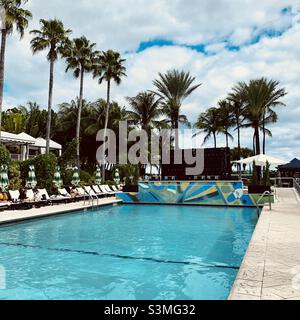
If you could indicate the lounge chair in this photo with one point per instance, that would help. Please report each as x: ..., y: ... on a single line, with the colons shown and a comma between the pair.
x: 90, y: 191
x: 115, y: 189
x: 108, y: 189
x: 43, y: 194
x: 105, y: 191
x: 98, y: 191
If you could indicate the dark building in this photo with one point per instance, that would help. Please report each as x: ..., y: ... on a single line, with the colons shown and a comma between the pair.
x: 290, y: 170
x: 217, y: 166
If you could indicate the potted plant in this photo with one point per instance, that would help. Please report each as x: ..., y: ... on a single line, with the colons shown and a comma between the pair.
x: 258, y: 185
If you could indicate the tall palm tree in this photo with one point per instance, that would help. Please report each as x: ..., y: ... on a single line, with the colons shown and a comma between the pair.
x: 18, y: 18
x: 273, y: 96
x: 174, y: 87
x: 145, y: 110
x: 109, y: 67
x: 259, y: 97
x: 80, y: 56
x: 209, y: 123
x: 226, y: 119
x: 52, y: 36
x: 237, y: 106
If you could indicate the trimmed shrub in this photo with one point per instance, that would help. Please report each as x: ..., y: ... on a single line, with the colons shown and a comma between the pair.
x: 14, y: 174
x: 45, y: 166
x: 86, y: 179
x: 4, y: 154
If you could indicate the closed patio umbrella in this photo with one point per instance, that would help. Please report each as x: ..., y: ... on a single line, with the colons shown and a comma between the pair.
x: 98, y: 175
x: 117, y: 177
x: 4, y: 182
x: 57, y: 178
x: 75, y: 179
x: 31, y: 181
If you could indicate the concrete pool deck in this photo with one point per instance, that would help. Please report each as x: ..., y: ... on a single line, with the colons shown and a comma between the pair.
x: 20, y: 215
x: 271, y: 267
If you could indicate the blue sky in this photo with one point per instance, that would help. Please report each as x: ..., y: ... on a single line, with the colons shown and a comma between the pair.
x: 220, y: 42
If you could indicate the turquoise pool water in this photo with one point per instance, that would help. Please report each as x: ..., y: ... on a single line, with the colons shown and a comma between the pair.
x: 127, y: 252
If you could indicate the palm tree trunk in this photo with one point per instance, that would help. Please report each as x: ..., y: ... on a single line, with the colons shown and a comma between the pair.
x: 227, y: 142
x: 50, y: 106
x: 215, y: 140
x: 2, y: 65
x: 257, y: 145
x: 264, y: 136
x: 79, y: 118
x: 257, y: 140
x: 176, y: 132
x: 105, y: 128
x: 239, y: 144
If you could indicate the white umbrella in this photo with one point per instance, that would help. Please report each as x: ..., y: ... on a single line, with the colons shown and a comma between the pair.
x: 261, y: 160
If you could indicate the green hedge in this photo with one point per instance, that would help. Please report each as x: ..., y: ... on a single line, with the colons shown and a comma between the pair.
x: 45, y: 166
x: 4, y: 154
x: 14, y: 174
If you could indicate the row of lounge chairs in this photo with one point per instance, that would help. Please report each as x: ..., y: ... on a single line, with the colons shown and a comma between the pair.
x: 41, y: 197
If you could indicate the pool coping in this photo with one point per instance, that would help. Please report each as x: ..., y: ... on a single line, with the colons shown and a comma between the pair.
x: 271, y: 266
x: 27, y: 215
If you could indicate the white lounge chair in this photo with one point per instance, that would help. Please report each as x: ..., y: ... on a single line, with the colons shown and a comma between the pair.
x: 98, y: 191
x: 14, y: 195
x: 109, y: 193
x: 108, y: 189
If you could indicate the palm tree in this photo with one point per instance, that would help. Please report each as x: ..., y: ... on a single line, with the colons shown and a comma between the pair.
x: 273, y: 96
x: 54, y: 37
x: 226, y: 119
x: 145, y: 110
x: 96, y: 116
x: 15, y: 17
x: 259, y: 96
x: 174, y: 87
x: 109, y: 66
x: 80, y: 55
x: 209, y: 123
x: 237, y: 107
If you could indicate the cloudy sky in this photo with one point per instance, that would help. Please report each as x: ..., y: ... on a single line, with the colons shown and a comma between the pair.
x: 220, y: 42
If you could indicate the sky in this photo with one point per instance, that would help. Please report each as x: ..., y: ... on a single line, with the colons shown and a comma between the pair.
x: 220, y: 42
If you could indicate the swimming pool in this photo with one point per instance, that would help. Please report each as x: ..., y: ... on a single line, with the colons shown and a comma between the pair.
x: 127, y: 252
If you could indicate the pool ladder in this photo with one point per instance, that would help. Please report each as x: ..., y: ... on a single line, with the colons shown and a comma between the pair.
x: 258, y: 205
x: 91, y: 199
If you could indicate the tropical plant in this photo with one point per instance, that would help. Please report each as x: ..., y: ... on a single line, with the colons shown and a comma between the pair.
x: 226, y: 119
x: 237, y: 107
x: 109, y: 67
x: 209, y: 123
x: 259, y: 96
x: 52, y: 36
x: 15, y: 18
x: 173, y: 88
x: 14, y: 121
x: 145, y: 110
x: 4, y: 154
x: 80, y: 55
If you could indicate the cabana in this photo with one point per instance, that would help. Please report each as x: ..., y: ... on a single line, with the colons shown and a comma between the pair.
x: 290, y: 170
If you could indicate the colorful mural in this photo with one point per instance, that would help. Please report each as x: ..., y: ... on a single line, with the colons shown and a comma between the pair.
x: 217, y: 193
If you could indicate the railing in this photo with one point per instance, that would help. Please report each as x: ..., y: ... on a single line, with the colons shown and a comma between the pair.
x: 287, y: 183
x: 266, y: 193
x: 297, y: 186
